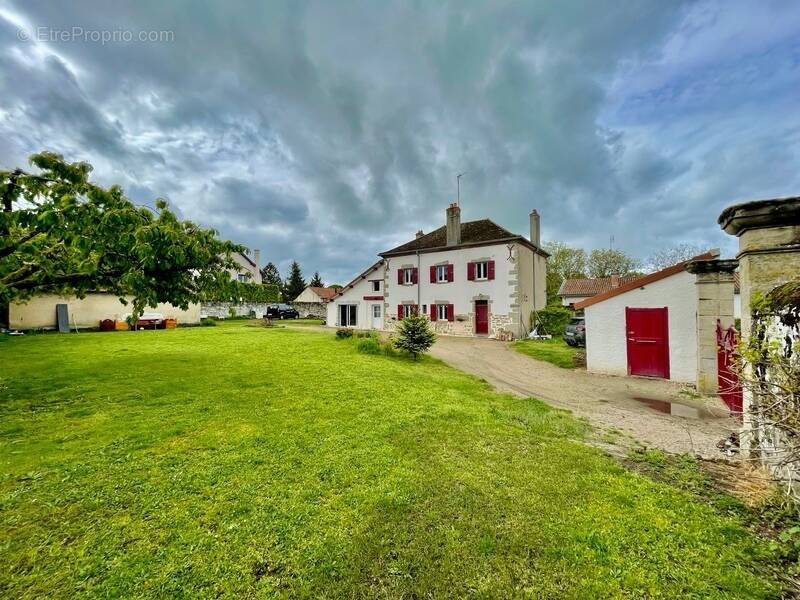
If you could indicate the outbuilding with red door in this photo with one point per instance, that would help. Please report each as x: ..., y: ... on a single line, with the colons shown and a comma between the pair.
x: 660, y: 325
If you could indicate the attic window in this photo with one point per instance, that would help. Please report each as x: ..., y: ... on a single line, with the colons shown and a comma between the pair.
x: 376, y: 285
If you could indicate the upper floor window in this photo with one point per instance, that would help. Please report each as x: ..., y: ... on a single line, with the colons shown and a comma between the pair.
x: 408, y: 276
x: 441, y: 273
x: 482, y: 270
x: 376, y: 285
x: 242, y: 278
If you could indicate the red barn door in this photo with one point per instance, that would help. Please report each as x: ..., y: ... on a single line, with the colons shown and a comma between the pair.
x: 648, y: 341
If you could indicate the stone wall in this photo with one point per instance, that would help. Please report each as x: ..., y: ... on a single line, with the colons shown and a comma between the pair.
x: 314, y: 310
x: 222, y: 310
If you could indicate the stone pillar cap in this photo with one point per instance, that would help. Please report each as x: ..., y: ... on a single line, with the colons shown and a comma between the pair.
x: 713, y: 265
x: 760, y: 214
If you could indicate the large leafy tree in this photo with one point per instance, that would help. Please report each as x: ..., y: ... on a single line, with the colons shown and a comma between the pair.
x: 565, y: 262
x: 316, y: 280
x: 295, y: 283
x: 62, y: 234
x: 605, y: 262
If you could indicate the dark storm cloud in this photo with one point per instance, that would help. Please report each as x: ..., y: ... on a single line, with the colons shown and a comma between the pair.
x: 329, y: 131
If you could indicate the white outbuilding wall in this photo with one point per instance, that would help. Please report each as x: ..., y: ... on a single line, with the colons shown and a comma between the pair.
x: 606, y: 334
x: 356, y: 295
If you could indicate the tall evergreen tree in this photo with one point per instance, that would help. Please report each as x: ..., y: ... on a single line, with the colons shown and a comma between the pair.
x: 270, y: 274
x: 295, y: 283
x: 316, y: 281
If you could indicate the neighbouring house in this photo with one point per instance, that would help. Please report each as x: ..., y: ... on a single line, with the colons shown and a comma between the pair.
x: 573, y: 291
x: 662, y: 324
x: 473, y: 278
x: 247, y: 270
x: 312, y: 300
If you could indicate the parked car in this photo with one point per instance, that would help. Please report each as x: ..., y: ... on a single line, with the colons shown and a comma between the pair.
x: 575, y: 332
x: 282, y: 311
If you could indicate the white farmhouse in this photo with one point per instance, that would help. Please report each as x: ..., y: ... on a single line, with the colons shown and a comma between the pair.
x: 473, y: 278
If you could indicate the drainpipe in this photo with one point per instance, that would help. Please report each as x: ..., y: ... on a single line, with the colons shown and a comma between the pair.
x: 535, y: 257
x: 419, y: 285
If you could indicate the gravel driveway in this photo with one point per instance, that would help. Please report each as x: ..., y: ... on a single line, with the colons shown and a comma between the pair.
x: 633, y: 405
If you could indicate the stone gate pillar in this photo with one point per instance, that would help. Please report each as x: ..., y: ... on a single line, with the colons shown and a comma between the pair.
x: 769, y: 255
x: 714, y: 282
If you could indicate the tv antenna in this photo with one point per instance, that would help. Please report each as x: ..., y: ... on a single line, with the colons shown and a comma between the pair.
x: 458, y: 187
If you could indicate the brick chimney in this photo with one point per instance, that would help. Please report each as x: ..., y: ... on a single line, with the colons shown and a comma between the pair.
x: 536, y: 237
x: 419, y: 234
x: 453, y: 225
x: 614, y: 281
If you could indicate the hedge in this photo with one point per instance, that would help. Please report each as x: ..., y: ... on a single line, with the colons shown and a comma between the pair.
x: 554, y: 318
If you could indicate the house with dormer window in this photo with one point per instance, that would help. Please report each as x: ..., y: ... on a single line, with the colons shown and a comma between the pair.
x: 470, y: 279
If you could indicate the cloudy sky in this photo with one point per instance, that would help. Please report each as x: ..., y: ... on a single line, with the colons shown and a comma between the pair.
x: 329, y: 131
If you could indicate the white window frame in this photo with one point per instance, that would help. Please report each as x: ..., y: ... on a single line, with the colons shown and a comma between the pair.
x: 441, y: 273
x: 482, y: 270
x: 408, y: 310
x: 241, y: 278
x: 376, y: 311
x: 354, y: 314
x: 376, y: 285
x: 408, y: 276
x: 441, y: 312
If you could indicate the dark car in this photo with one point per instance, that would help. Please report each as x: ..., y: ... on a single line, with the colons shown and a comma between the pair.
x: 575, y: 333
x: 282, y: 311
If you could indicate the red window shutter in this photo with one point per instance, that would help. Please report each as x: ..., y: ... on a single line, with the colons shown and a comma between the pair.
x: 400, y: 276
x: 400, y: 312
x: 414, y: 275
x: 450, y: 272
x: 433, y: 312
x: 471, y: 271
x: 433, y: 274
x: 490, y: 270
x: 450, y: 312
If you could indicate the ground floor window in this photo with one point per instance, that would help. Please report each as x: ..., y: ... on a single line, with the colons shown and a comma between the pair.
x: 376, y: 311
x: 441, y: 312
x: 409, y: 310
x: 347, y: 315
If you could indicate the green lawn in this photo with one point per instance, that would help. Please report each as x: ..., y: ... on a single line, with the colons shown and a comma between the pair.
x: 245, y: 461
x: 555, y: 351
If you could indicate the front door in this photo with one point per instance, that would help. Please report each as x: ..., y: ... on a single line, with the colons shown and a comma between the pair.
x: 648, y: 341
x: 481, y: 317
x: 377, y: 316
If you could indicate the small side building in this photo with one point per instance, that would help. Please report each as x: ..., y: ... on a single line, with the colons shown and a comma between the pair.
x: 312, y: 300
x: 40, y: 311
x: 662, y: 324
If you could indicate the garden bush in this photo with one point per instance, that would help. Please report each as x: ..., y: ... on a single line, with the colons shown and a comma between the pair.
x: 414, y: 335
x: 368, y: 345
x: 208, y: 322
x: 343, y: 333
x: 553, y: 318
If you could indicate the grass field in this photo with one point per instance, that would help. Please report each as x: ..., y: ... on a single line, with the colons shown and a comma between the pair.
x: 244, y: 461
x: 555, y: 351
